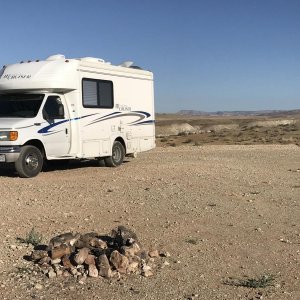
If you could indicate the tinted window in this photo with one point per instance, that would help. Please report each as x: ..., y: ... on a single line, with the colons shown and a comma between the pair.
x: 105, y: 92
x: 97, y: 93
x: 89, y: 90
x: 53, y: 108
x: 20, y: 105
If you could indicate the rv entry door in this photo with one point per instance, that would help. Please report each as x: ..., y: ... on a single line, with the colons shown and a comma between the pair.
x: 56, y: 135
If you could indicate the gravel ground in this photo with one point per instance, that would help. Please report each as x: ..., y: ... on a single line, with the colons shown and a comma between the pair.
x: 224, y: 213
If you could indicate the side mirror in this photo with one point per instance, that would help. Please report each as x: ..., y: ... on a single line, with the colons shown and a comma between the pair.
x: 45, y: 115
x: 61, y: 112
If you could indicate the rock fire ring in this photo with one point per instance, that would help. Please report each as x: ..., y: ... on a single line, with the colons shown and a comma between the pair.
x: 94, y: 255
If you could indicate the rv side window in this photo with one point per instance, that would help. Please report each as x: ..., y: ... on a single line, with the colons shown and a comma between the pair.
x: 97, y: 93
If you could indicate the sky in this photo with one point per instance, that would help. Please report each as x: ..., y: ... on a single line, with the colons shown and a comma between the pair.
x: 207, y: 55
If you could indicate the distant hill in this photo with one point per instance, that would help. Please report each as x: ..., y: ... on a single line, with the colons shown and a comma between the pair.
x: 239, y: 113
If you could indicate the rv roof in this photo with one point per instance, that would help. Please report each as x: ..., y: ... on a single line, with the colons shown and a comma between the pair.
x: 61, y: 74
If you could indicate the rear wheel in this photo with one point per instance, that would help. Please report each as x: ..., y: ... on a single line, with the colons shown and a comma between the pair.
x: 118, y: 153
x: 30, y: 162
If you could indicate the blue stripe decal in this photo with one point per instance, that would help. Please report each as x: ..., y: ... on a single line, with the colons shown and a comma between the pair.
x: 114, y: 113
x: 47, y: 129
x: 144, y: 123
x: 141, y: 115
x: 144, y: 113
x: 106, y: 117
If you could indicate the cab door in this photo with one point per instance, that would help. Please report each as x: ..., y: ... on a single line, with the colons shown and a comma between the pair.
x: 56, y: 132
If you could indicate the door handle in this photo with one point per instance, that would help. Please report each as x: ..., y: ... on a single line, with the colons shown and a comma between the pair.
x: 66, y: 130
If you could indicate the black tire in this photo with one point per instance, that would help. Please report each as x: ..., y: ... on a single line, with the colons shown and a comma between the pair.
x: 100, y: 162
x: 118, y: 153
x: 30, y: 162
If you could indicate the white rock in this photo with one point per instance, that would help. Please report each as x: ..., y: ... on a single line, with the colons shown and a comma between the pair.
x: 51, y: 274
x: 55, y: 261
x: 93, y: 272
x: 38, y: 286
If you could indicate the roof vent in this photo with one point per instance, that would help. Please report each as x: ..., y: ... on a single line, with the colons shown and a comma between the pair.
x: 127, y: 64
x: 56, y: 57
x: 92, y: 59
x: 136, y: 67
x: 2, y: 70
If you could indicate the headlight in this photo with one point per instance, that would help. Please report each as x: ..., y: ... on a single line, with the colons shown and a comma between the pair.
x: 8, y: 135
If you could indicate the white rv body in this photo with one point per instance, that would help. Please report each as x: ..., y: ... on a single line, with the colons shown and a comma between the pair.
x: 92, y: 105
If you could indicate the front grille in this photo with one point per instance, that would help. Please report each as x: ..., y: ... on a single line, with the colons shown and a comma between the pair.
x: 9, y: 149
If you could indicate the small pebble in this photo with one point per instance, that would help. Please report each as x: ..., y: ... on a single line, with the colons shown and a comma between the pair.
x: 38, y: 286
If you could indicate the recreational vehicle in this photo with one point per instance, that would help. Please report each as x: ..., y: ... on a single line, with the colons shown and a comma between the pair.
x: 85, y: 108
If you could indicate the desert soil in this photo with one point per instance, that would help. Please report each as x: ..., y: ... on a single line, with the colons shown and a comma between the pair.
x: 174, y: 130
x: 223, y: 212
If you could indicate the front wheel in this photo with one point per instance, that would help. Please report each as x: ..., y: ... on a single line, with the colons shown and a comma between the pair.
x: 30, y: 162
x: 118, y: 153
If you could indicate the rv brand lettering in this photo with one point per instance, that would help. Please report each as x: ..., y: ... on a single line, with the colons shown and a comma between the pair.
x: 16, y: 76
x: 123, y: 107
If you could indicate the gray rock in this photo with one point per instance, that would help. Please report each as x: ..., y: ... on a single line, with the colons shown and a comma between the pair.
x: 73, y: 271
x: 45, y: 261
x: 93, y: 272
x: 119, y: 261
x: 104, y: 266
x: 133, y: 267
x: 153, y: 253
x: 90, y: 260
x: 123, y: 236
x: 98, y: 243
x: 60, y: 251
x: 66, y: 262
x: 81, y: 255
x: 66, y: 238
x: 38, y: 255
x: 85, y: 239
x: 146, y: 271
x: 128, y: 251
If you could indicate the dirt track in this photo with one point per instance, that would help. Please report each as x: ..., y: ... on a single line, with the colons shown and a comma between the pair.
x: 221, y: 211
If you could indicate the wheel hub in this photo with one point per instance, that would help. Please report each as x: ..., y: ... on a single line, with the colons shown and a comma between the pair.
x: 32, y: 162
x: 117, y: 154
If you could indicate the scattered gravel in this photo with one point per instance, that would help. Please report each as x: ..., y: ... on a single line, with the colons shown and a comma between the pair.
x: 216, y: 212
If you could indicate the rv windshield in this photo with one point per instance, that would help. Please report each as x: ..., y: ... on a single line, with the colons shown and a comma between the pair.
x: 20, y: 105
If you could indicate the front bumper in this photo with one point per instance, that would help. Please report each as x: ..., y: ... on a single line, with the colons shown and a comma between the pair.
x: 9, y: 153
